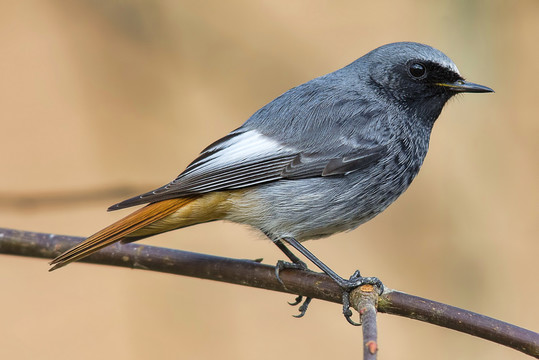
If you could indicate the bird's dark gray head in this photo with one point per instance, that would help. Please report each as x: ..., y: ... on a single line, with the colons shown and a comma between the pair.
x: 414, y: 76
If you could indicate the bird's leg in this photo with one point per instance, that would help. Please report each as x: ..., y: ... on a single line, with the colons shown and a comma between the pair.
x: 355, y: 280
x: 295, y: 264
x: 347, y: 285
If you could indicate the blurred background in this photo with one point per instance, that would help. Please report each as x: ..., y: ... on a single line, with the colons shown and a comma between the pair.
x: 102, y: 100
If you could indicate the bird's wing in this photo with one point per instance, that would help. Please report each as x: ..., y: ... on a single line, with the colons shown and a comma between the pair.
x: 246, y: 158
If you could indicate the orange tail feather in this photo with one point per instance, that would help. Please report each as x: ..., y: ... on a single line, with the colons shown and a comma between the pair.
x: 122, y: 228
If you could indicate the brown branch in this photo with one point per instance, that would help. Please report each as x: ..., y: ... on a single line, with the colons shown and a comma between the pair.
x: 252, y: 273
x: 364, y: 300
x: 414, y: 307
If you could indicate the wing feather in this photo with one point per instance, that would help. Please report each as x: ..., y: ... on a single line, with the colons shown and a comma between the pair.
x: 247, y: 158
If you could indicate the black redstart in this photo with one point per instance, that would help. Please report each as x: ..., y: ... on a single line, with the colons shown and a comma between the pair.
x: 324, y: 157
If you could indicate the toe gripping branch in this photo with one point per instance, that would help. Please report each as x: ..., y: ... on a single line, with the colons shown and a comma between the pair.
x: 356, y: 280
x: 299, y: 265
x: 353, y: 282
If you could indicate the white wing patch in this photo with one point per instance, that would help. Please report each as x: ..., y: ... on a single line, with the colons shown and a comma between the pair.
x: 250, y: 146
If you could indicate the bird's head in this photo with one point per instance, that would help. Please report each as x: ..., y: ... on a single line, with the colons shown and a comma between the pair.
x: 416, y: 77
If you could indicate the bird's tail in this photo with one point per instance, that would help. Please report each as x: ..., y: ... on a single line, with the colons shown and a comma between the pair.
x: 152, y: 219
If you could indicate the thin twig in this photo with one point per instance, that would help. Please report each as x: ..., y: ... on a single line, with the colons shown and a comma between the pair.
x: 251, y: 273
x: 364, y: 300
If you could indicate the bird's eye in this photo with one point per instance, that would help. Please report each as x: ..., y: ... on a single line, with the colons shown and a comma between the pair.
x: 417, y: 70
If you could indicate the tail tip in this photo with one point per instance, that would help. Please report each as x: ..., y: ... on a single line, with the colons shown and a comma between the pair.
x: 56, y: 264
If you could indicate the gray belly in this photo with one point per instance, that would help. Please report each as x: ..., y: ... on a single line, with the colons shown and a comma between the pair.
x: 318, y: 207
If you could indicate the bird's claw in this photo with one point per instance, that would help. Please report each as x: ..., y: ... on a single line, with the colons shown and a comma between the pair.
x: 303, y: 308
x: 346, y: 308
x: 357, y: 280
x: 281, y: 265
x: 297, y: 301
x: 353, y: 282
x: 348, y: 285
x: 299, y: 265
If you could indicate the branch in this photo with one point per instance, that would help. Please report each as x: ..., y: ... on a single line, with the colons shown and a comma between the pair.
x: 252, y: 273
x: 366, y: 298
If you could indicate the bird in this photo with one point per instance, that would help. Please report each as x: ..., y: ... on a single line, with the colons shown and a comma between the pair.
x: 322, y: 158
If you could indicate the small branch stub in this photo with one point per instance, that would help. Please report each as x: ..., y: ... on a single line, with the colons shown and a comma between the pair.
x: 364, y: 299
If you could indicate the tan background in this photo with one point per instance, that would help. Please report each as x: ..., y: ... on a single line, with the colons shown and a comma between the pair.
x: 99, y: 94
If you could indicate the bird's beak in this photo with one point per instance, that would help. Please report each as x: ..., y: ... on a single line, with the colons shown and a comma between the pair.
x: 465, y: 86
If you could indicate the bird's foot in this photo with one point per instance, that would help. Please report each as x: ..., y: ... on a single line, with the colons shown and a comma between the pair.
x: 303, y: 307
x: 299, y: 265
x: 348, y: 285
x: 281, y: 265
